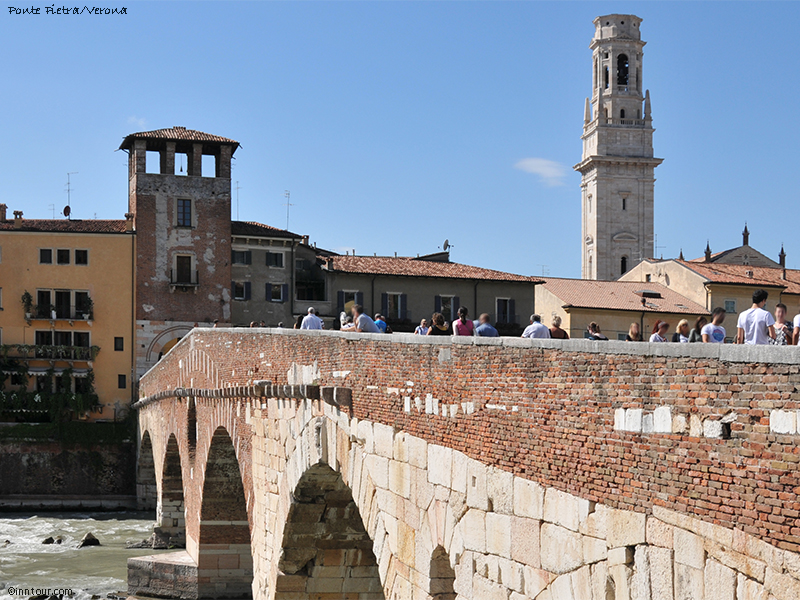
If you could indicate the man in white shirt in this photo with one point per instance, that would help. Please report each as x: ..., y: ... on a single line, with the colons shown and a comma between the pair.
x: 796, y: 334
x: 311, y: 320
x: 756, y: 326
x: 536, y: 329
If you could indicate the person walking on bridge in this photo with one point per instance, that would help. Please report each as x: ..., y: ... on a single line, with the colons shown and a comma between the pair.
x: 756, y: 326
x: 311, y: 320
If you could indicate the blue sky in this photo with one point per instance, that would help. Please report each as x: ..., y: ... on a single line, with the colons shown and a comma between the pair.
x: 396, y: 125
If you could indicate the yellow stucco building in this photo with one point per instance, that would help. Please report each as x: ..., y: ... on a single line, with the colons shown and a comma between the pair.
x: 613, y: 305
x: 66, y: 318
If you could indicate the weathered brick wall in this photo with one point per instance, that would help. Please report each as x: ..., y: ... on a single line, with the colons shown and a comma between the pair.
x: 548, y: 413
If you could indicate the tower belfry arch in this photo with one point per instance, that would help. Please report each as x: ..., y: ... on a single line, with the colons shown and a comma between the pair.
x: 617, y: 167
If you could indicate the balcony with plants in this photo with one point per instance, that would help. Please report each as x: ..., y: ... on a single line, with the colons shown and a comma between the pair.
x: 58, y: 395
x: 81, y: 310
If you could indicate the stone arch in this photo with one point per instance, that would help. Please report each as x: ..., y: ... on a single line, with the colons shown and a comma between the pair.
x: 146, y: 486
x: 326, y: 547
x: 171, y: 515
x: 154, y: 350
x: 224, y: 559
x: 442, y: 576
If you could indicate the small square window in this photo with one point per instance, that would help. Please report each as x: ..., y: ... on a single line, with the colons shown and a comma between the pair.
x: 730, y: 306
x: 241, y: 257
x: 45, y: 256
x: 275, y: 259
x: 122, y: 382
x: 62, y: 256
x: 81, y: 257
x: 276, y: 293
x: 119, y: 344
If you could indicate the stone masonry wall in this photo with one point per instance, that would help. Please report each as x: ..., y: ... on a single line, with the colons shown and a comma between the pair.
x: 574, y: 486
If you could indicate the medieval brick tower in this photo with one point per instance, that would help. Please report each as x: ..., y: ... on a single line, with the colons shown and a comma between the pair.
x: 618, y: 166
x: 181, y: 212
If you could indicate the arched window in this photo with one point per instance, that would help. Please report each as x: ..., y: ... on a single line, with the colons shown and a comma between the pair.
x: 622, y: 113
x: 622, y: 69
x: 590, y: 202
x: 623, y: 265
x: 605, y: 77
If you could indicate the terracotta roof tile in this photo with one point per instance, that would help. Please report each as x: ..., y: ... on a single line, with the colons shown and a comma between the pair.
x: 177, y: 134
x: 67, y: 225
x: 254, y: 229
x: 620, y: 295
x: 740, y: 274
x: 416, y: 267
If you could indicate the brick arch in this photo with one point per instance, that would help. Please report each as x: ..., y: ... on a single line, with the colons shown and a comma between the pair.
x: 326, y: 547
x: 171, y: 509
x: 146, y: 482
x: 223, y: 540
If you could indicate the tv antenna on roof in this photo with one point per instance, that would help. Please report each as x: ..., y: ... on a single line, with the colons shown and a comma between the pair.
x: 67, y: 209
x: 286, y: 195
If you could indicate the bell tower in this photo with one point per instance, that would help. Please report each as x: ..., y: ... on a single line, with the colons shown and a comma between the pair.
x: 617, y: 168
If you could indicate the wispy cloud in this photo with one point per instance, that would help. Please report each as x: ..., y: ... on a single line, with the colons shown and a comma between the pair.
x: 139, y: 122
x: 550, y: 172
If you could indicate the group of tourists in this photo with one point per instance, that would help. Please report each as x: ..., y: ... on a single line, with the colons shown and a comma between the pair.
x: 755, y: 326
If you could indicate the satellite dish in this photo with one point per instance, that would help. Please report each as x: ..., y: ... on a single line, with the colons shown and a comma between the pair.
x: 446, y: 245
x: 67, y: 211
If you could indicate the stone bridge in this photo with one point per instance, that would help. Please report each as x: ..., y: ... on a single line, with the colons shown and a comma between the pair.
x: 322, y: 465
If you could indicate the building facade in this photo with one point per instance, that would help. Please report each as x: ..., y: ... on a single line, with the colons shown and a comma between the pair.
x: 66, y: 318
x: 182, y: 220
x: 617, y: 168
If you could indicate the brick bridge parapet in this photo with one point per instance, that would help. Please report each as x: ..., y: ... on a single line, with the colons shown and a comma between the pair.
x: 300, y: 464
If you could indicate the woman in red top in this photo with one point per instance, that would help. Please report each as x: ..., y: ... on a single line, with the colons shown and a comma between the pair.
x: 463, y: 325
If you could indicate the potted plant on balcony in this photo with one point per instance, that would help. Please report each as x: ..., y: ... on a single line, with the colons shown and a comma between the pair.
x: 27, y: 304
x: 88, y: 309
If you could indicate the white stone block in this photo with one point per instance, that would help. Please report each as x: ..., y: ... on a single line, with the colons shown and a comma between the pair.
x: 620, y: 556
x: 600, y: 582
x: 688, y: 548
x: 383, y: 439
x: 536, y: 580
x: 528, y: 498
x: 477, y: 486
x: 459, y: 477
x: 661, y: 568
x: 679, y: 424
x: 712, y: 429
x: 417, y: 451
x: 633, y: 419
x: 619, y: 419
x: 647, y: 423
x: 564, y: 509
x: 474, y: 530
x: 626, y: 528
x: 400, y: 478
x: 621, y: 574
x: 498, y: 535
x: 688, y: 582
x: 783, y: 421
x: 594, y: 550
x: 561, y: 588
x: 719, y: 581
x: 640, y: 582
x: 582, y: 583
x: 500, y: 487
x: 662, y: 420
x: 561, y: 549
x: 378, y: 468
x: 525, y: 541
x: 695, y: 426
x: 747, y: 589
x: 440, y: 465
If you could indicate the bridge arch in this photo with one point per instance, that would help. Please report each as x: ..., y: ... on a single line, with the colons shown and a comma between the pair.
x: 146, y: 486
x: 224, y: 558
x: 325, y: 548
x: 171, y: 516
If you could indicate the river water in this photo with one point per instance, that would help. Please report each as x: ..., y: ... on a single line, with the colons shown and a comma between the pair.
x: 94, y: 570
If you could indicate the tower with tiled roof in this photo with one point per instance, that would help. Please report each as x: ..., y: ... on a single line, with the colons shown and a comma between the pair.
x: 179, y: 196
x: 617, y: 169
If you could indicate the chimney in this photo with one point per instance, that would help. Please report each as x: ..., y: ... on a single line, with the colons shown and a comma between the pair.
x: 680, y: 257
x: 708, y: 252
x: 745, y: 236
x: 304, y: 240
x: 3, y: 212
x: 781, y: 256
x: 17, y: 219
x: 128, y: 222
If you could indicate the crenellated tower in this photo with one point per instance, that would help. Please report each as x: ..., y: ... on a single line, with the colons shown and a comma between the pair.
x: 617, y: 169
